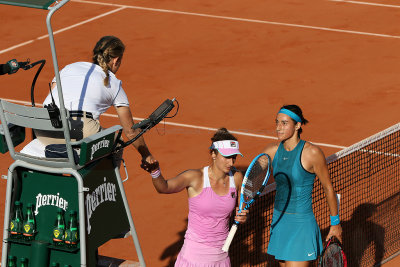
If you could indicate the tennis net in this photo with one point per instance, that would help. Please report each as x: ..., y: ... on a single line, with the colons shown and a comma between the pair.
x: 367, y: 177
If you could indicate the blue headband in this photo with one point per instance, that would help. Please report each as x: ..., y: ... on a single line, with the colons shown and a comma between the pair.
x: 291, y: 114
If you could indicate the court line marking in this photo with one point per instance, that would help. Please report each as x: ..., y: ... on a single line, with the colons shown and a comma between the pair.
x: 380, y: 153
x: 62, y: 30
x: 121, y: 7
x: 365, y: 3
x: 84, y: 22
x: 189, y: 126
x: 16, y: 46
x: 243, y: 19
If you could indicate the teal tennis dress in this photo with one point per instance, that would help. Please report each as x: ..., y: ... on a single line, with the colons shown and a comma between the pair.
x: 294, y: 234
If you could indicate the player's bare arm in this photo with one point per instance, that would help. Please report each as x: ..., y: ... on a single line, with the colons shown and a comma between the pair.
x: 271, y: 149
x: 190, y: 179
x: 238, y: 178
x: 125, y: 117
x: 313, y: 160
x: 242, y: 216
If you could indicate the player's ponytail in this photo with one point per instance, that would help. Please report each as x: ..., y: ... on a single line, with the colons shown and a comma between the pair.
x: 107, y: 48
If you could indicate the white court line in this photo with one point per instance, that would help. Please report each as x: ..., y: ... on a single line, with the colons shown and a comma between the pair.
x: 16, y: 46
x: 83, y: 22
x: 380, y: 153
x: 243, y: 19
x: 61, y: 30
x: 200, y: 15
x: 365, y: 3
x: 189, y: 126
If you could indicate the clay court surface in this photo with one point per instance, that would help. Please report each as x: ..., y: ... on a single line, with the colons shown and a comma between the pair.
x: 229, y: 63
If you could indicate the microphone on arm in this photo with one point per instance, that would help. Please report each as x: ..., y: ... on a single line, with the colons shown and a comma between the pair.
x: 12, y: 66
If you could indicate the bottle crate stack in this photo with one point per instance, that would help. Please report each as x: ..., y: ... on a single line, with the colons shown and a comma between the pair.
x: 43, y: 228
x: 22, y: 228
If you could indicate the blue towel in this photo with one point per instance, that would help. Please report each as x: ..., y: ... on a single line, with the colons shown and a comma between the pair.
x: 59, y: 151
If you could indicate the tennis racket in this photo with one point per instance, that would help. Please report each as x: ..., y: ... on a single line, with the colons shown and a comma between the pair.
x: 254, y: 181
x: 333, y: 254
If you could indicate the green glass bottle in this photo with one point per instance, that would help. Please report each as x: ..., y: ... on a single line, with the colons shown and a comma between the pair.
x: 24, y: 262
x: 12, y: 261
x: 59, y: 228
x: 17, y: 221
x: 29, y: 227
x: 71, y: 234
x: 55, y: 264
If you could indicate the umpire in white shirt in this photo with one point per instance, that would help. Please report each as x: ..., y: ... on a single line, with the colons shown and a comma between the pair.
x: 89, y: 89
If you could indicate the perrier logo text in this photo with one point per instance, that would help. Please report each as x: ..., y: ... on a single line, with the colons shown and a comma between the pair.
x: 98, y: 145
x: 106, y: 192
x: 50, y: 200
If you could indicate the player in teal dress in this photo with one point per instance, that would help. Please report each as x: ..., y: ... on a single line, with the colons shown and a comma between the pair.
x: 295, y: 236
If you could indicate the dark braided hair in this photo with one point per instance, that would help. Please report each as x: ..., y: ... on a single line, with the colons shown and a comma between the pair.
x: 107, y: 48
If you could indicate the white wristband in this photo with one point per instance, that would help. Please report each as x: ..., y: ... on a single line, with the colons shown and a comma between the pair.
x: 155, y: 174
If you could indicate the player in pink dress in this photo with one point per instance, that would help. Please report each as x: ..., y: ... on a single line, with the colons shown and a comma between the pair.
x: 212, y: 193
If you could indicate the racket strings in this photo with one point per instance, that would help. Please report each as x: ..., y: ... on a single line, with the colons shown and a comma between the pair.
x: 333, y: 257
x: 256, y: 177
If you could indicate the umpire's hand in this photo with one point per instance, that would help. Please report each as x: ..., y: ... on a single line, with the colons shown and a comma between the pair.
x: 149, y: 164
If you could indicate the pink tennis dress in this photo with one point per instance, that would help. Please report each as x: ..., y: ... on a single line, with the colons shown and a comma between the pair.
x: 207, y: 227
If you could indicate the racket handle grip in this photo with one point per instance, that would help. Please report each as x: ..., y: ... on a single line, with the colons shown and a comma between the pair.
x: 229, y: 239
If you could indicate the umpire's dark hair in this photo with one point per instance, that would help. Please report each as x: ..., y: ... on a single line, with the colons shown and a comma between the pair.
x: 297, y: 110
x: 220, y: 135
x: 107, y: 48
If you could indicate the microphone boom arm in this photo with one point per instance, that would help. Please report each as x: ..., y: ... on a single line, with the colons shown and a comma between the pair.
x: 158, y: 115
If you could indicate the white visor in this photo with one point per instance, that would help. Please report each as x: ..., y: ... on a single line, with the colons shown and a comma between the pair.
x: 227, y: 147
